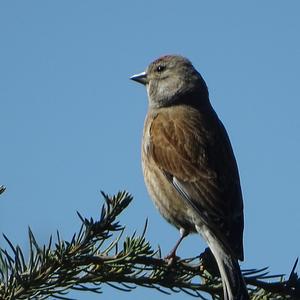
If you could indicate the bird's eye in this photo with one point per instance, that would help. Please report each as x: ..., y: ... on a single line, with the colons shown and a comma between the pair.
x: 160, y: 68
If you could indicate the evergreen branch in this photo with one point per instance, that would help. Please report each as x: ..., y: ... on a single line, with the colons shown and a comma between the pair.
x: 98, y: 254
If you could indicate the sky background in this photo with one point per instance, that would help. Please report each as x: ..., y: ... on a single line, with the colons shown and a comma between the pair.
x: 71, y: 120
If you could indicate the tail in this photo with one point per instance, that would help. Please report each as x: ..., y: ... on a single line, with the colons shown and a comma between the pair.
x: 234, y: 286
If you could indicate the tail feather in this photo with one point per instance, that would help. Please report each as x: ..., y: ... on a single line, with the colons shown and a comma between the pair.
x: 232, y: 279
x: 234, y: 286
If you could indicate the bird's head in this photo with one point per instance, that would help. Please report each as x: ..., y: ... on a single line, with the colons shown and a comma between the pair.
x: 170, y: 80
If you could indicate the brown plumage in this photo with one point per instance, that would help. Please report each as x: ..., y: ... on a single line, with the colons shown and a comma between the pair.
x: 189, y: 166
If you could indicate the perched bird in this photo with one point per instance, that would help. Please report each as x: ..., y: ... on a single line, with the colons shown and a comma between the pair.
x: 189, y: 167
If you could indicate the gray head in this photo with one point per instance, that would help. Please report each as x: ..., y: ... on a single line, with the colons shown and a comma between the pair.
x: 172, y: 79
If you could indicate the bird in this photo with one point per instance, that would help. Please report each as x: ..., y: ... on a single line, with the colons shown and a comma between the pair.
x: 189, y: 166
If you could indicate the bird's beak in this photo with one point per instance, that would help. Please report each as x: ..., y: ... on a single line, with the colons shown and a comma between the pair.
x: 141, y: 78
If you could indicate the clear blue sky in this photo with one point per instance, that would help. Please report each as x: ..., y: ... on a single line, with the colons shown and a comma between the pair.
x: 71, y: 120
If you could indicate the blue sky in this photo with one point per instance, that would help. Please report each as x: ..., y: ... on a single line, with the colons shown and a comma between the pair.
x: 71, y: 120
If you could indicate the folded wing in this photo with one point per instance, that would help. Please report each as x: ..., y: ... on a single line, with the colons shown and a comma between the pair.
x: 194, y: 152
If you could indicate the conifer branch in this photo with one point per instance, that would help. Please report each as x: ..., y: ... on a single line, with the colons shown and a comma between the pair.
x: 99, y: 254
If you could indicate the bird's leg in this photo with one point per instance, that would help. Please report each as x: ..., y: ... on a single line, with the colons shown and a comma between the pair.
x: 172, y: 255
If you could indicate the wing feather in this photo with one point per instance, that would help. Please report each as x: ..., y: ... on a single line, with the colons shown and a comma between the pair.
x: 193, y: 151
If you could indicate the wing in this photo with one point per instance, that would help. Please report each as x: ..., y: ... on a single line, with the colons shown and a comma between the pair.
x: 193, y: 151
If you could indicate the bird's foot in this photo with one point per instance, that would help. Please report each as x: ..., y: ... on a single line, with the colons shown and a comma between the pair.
x: 171, y: 258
